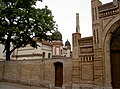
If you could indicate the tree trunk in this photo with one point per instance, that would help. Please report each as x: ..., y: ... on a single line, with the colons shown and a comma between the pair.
x: 7, y: 50
x: 7, y: 47
x: 7, y: 55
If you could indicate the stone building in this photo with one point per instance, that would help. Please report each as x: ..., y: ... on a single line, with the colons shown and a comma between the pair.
x: 49, y: 66
x: 95, y: 59
x: 2, y: 55
x: 45, y: 50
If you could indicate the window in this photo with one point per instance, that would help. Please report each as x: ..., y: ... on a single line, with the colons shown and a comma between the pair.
x: 43, y: 54
x: 86, y: 58
x: 57, y: 51
x: 61, y: 51
x: 94, y: 36
x: 92, y: 58
x: 97, y: 37
x: 93, y: 13
x: 96, y: 13
x: 48, y: 55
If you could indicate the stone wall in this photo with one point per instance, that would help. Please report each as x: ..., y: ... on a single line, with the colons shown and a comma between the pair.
x: 35, y: 72
x: 83, y: 73
x: 1, y: 69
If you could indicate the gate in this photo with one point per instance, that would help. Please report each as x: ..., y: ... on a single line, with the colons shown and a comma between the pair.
x: 115, y: 59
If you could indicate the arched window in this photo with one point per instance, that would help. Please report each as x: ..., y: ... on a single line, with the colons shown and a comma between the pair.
x: 43, y: 54
x: 94, y: 33
x: 93, y: 13
x: 64, y: 55
x: 96, y: 13
x: 61, y: 51
x: 48, y: 55
x: 97, y: 36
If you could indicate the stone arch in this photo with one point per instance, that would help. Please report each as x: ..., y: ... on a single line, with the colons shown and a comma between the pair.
x: 115, y: 61
x: 58, y: 74
x: 106, y: 39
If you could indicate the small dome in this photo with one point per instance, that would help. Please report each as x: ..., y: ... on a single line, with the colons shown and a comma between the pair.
x: 57, y: 36
x: 67, y: 43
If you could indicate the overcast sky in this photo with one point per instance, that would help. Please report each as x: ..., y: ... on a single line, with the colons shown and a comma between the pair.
x: 64, y: 12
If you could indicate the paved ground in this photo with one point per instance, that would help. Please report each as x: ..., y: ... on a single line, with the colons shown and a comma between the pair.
x: 4, y: 85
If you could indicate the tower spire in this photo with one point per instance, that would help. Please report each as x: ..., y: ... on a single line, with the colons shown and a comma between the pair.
x: 77, y: 23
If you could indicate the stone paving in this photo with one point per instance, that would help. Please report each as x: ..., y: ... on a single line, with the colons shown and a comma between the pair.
x: 4, y: 85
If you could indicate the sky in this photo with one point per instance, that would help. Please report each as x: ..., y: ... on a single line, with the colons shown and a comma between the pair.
x: 64, y: 12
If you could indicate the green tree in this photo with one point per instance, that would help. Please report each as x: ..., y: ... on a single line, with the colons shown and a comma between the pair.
x: 21, y: 22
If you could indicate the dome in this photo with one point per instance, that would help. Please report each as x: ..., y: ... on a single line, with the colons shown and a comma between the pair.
x: 57, y: 36
x: 67, y: 43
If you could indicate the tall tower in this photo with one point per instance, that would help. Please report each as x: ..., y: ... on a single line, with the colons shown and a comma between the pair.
x: 77, y: 23
x: 75, y: 37
x: 75, y: 52
x: 96, y: 28
x: 96, y: 22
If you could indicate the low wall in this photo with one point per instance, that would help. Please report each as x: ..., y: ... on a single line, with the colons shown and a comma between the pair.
x: 1, y: 69
x: 35, y: 72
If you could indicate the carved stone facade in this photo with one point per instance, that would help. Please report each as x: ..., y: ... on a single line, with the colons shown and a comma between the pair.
x: 45, y: 50
x: 92, y: 56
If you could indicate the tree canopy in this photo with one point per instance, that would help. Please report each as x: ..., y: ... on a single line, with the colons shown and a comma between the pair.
x: 21, y: 22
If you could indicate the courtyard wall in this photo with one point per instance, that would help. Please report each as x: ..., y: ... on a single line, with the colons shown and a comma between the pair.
x: 35, y: 72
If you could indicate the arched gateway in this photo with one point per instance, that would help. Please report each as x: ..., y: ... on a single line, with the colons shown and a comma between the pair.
x: 115, y: 59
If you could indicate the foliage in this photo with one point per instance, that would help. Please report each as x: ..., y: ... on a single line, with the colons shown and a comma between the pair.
x: 21, y: 22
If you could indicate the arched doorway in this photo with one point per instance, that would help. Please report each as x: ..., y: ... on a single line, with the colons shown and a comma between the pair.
x: 58, y: 74
x: 115, y: 59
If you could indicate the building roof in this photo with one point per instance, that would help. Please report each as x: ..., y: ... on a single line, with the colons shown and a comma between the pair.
x: 67, y: 43
x: 107, y: 6
x: 57, y: 36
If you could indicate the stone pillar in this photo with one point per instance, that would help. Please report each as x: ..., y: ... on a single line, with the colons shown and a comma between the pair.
x: 77, y: 23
